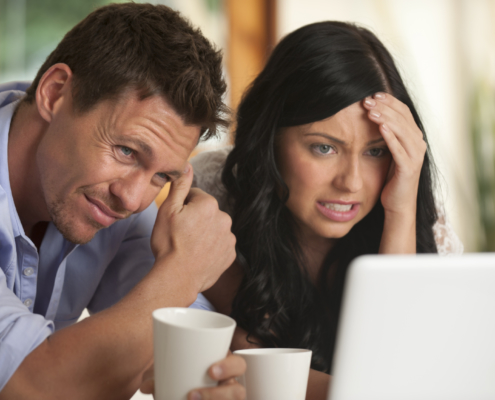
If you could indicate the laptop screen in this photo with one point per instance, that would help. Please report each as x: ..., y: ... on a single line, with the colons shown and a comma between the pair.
x: 417, y: 327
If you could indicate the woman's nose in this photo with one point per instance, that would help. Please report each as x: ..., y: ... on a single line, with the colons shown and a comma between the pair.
x: 349, y: 177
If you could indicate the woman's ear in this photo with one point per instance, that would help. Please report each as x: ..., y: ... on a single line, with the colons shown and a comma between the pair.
x: 53, y: 88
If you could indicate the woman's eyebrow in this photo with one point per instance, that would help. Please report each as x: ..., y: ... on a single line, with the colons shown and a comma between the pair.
x: 371, y: 142
x: 326, y: 137
x: 375, y: 141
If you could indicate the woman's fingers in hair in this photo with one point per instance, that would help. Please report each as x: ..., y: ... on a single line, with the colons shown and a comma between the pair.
x: 395, y: 147
x: 398, y: 114
x: 392, y: 115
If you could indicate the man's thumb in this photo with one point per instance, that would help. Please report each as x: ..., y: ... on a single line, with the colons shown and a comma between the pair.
x: 179, y: 189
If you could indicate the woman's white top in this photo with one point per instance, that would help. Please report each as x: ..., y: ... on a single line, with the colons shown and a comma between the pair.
x: 208, y: 168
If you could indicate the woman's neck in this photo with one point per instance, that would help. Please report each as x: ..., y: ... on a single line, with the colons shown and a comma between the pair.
x: 314, y: 249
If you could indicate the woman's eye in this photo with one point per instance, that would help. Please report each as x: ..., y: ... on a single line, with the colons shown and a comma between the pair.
x: 126, y: 151
x: 376, y: 152
x: 323, y: 148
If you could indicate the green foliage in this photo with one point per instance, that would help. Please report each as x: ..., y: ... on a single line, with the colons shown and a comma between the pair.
x: 45, y: 22
x: 483, y: 140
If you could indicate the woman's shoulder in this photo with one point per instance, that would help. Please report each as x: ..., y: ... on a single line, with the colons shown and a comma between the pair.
x: 446, y: 239
x: 208, y: 167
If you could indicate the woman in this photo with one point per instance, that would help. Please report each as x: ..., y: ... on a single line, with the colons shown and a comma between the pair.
x: 330, y: 162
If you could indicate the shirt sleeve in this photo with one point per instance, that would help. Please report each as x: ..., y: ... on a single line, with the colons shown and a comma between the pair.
x: 131, y: 263
x: 20, y: 331
x: 202, y: 303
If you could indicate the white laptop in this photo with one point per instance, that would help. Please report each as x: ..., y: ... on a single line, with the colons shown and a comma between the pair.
x: 418, y: 327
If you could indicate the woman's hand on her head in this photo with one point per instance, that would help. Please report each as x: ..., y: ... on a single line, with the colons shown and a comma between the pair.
x: 224, y: 371
x: 405, y: 142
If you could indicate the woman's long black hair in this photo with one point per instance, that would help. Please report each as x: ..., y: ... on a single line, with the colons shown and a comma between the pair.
x: 312, y: 74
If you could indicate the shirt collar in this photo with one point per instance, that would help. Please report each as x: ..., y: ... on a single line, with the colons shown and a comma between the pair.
x: 8, y: 103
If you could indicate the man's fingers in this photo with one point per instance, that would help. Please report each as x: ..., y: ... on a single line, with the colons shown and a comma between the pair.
x: 179, y: 190
x: 148, y: 381
x: 230, y: 392
x: 230, y: 367
x: 147, y: 386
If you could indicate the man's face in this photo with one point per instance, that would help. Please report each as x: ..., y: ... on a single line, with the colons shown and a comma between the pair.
x: 110, y: 162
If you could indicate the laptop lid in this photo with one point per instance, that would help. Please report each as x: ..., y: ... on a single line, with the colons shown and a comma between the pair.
x: 417, y: 327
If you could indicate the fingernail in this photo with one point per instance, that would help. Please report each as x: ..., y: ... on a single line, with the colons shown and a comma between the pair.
x: 370, y: 102
x: 379, y: 96
x: 186, y: 170
x: 385, y: 128
x: 375, y: 114
x: 196, y: 396
x: 217, y: 371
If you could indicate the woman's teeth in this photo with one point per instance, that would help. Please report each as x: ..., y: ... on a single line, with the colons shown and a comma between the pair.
x: 338, y: 207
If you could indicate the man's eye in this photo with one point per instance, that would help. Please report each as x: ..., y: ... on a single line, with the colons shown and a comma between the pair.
x: 163, y: 176
x: 126, y: 151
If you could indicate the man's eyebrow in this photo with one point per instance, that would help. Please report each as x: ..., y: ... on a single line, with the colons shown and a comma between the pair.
x: 144, y: 147
x: 371, y: 142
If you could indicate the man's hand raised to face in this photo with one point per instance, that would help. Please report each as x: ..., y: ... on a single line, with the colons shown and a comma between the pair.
x: 191, y: 230
x: 105, y: 355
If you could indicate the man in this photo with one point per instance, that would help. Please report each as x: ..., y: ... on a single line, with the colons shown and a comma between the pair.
x: 111, y: 117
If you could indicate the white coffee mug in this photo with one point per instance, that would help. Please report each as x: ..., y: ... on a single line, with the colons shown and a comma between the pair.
x: 275, y: 374
x: 186, y: 343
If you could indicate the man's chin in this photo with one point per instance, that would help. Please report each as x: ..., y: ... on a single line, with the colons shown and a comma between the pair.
x: 72, y: 224
x: 78, y: 235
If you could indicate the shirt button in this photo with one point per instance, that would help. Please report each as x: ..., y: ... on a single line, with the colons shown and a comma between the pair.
x: 28, y: 302
x: 28, y: 271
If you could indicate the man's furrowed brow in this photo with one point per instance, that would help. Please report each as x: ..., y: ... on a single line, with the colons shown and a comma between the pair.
x: 137, y: 144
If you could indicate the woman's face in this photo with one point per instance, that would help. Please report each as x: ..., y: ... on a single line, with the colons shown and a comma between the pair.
x: 335, y: 170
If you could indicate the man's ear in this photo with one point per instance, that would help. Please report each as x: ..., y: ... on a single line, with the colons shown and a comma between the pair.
x: 53, y: 88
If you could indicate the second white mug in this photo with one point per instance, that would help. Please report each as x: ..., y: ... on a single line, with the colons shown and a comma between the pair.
x: 275, y: 374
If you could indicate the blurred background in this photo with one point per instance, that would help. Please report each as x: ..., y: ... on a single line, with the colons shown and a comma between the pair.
x: 445, y: 50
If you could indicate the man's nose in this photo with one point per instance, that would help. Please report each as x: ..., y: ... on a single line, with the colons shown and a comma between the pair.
x: 349, y: 178
x: 131, y: 190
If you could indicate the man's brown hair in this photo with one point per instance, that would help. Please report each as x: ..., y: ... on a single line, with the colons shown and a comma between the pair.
x: 149, y: 48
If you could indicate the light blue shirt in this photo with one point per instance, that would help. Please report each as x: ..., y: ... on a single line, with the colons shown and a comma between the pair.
x: 45, y: 291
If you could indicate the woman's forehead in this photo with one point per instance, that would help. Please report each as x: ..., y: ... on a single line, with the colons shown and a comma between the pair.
x: 349, y: 124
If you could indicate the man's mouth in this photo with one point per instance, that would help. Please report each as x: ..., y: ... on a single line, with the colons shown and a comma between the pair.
x: 101, y: 213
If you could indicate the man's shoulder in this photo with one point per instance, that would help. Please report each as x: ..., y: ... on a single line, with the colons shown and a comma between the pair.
x: 208, y: 167
x: 12, y: 91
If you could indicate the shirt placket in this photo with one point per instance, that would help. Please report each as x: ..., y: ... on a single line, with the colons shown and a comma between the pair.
x: 28, y: 272
x: 58, y: 287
